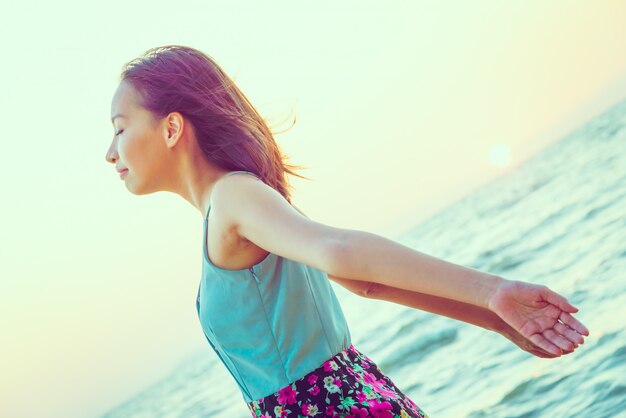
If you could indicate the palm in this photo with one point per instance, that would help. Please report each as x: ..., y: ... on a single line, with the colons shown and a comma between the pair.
x: 525, y: 344
x: 538, y: 314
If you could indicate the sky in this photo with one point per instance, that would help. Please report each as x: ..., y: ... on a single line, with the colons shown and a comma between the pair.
x: 402, y: 108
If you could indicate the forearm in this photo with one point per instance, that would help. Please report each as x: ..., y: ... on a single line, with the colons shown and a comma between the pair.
x: 370, y: 257
x: 460, y: 311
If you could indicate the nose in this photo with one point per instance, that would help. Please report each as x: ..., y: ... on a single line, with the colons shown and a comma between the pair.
x: 111, y: 155
x: 110, y: 159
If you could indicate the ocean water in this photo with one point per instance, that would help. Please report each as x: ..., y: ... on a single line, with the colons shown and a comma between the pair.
x: 559, y: 220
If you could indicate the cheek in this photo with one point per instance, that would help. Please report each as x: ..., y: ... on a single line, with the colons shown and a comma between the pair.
x: 129, y: 151
x: 138, y: 153
x: 123, y: 152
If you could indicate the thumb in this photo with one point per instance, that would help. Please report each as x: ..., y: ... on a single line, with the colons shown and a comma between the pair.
x: 558, y: 300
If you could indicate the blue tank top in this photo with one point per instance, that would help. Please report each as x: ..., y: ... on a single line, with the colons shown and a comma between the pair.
x: 269, y: 324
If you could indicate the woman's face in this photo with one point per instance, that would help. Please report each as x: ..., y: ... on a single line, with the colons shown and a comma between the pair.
x: 137, y: 144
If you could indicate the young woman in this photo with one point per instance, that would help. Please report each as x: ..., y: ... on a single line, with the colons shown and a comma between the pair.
x: 264, y: 301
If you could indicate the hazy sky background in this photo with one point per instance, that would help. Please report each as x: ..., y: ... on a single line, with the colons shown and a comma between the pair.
x: 402, y: 108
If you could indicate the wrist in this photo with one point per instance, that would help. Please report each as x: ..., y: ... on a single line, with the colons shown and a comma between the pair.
x: 496, y: 324
x: 492, y: 284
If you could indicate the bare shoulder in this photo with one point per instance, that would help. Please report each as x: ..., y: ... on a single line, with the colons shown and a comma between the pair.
x: 260, y: 214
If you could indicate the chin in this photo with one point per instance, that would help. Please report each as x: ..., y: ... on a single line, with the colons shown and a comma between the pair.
x: 140, y: 190
x: 136, y: 191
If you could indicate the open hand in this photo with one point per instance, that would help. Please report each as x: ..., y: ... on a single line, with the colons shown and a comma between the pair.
x: 539, y: 315
x: 525, y: 344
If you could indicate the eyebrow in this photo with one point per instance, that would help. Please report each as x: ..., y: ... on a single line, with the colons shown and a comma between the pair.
x: 119, y: 115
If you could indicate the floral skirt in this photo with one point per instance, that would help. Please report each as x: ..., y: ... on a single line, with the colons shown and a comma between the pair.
x: 348, y: 385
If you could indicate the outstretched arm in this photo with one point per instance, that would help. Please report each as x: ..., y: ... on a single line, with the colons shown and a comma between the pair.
x: 460, y: 311
x: 374, y: 258
x: 261, y: 215
x: 535, y: 312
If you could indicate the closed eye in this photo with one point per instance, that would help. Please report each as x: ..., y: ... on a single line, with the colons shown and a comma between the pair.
x: 119, y: 132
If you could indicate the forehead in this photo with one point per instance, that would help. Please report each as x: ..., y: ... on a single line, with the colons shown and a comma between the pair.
x: 125, y: 99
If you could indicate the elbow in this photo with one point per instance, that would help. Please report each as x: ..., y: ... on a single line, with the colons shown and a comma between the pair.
x: 345, y: 259
x: 333, y: 257
x: 337, y: 254
x: 371, y: 291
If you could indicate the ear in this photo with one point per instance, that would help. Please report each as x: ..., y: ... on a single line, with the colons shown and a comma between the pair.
x: 173, y: 129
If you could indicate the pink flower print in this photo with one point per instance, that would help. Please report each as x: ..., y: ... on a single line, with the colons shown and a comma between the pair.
x: 330, y: 410
x: 287, y: 395
x: 309, y: 410
x: 330, y: 366
x: 337, y: 382
x: 314, y: 390
x: 410, y: 401
x: 361, y: 396
x: 329, y: 384
x: 386, y: 392
x: 381, y: 410
x: 357, y: 412
x: 371, y: 379
x: 279, y: 411
x: 312, y: 379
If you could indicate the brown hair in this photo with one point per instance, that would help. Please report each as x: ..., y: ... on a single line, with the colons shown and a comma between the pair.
x: 229, y: 130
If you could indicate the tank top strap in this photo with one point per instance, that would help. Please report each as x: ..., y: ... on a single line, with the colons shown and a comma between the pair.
x: 228, y: 174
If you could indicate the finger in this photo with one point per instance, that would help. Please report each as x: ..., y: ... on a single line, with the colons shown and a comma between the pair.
x: 568, y: 333
x: 543, y: 343
x: 541, y: 353
x: 575, y: 346
x: 573, y: 323
x: 558, y: 340
x: 558, y: 300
